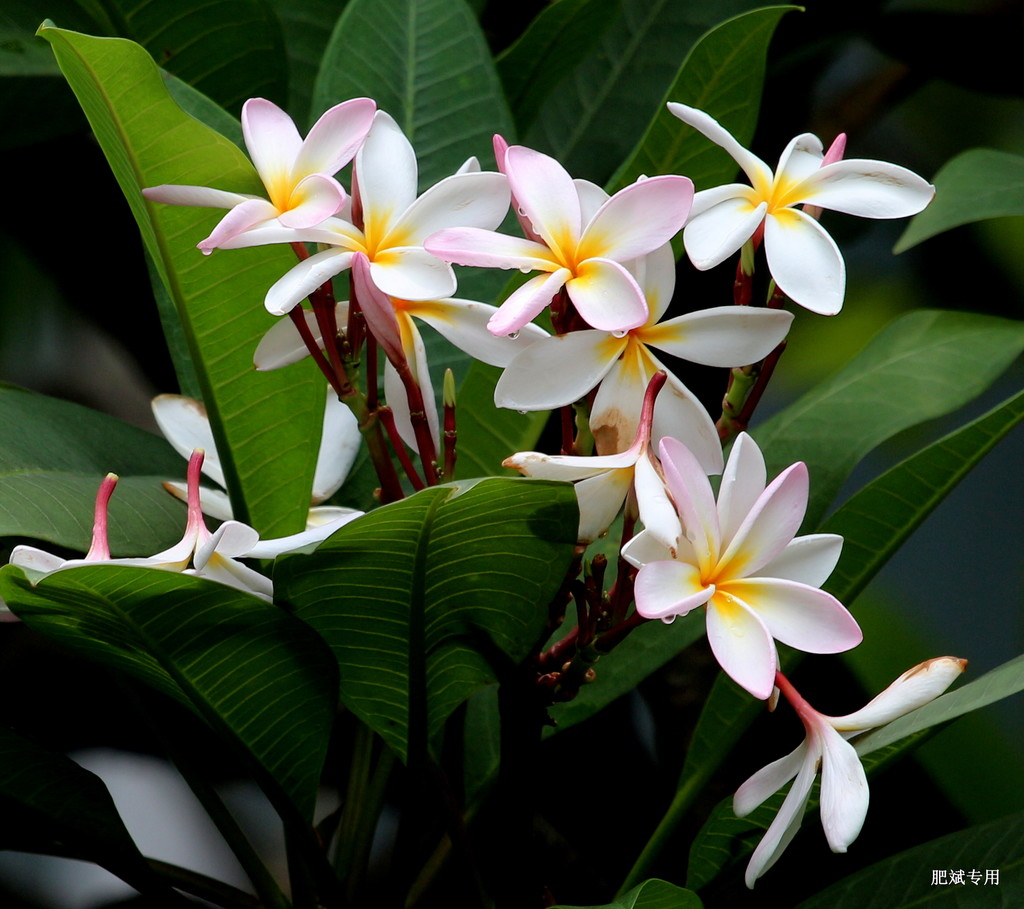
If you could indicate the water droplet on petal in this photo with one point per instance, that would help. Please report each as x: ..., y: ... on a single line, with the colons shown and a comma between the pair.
x: 619, y: 334
x: 521, y: 412
x: 526, y: 271
x: 512, y: 335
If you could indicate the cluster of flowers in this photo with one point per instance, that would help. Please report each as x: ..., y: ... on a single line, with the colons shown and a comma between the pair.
x: 606, y: 269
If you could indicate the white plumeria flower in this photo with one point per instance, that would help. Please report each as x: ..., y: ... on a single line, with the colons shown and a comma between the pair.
x: 185, y: 425
x: 583, y: 251
x: 388, y: 224
x: 844, y: 787
x: 803, y: 259
x: 740, y: 557
x: 603, y: 482
x: 297, y: 173
x: 559, y: 370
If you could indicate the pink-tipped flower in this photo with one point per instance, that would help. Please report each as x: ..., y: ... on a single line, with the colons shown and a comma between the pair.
x: 740, y: 558
x: 802, y: 258
x: 297, y: 173
x: 579, y: 248
x: 844, y: 786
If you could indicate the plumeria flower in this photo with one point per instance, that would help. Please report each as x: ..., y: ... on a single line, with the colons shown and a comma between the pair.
x: 186, y: 426
x: 581, y: 250
x: 297, y: 173
x: 387, y: 223
x: 803, y: 259
x: 603, y: 482
x: 559, y: 370
x: 844, y: 786
x: 741, y: 559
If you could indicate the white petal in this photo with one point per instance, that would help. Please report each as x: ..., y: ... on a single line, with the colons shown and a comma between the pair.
x: 478, y: 200
x: 301, y: 280
x: 805, y: 261
x: 844, y: 790
x: 721, y: 335
x: 669, y: 589
x: 615, y: 413
x: 809, y: 559
x: 464, y: 324
x: 386, y: 174
x: 768, y: 780
x: 339, y: 445
x: 270, y: 549
x: 395, y: 392
x: 185, y: 424
x: 657, y: 511
x: 232, y: 540
x: 870, y: 189
x: 752, y: 166
x: 487, y: 249
x: 36, y: 560
x: 801, y: 158
x: 715, y: 234
x: 742, y: 645
x: 644, y: 548
x: 600, y: 498
x: 200, y: 196
x: 799, y: 615
x: 656, y: 275
x: 557, y: 371
x: 592, y: 197
x: 743, y: 483
x: 913, y: 689
x: 282, y: 344
x: 688, y: 483
x: 411, y: 273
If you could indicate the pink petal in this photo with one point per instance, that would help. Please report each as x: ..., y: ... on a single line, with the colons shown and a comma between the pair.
x: 335, y: 137
x: 200, y: 196
x: 799, y: 615
x: 526, y: 302
x: 606, y: 296
x: 556, y: 371
x: 237, y: 221
x: 313, y: 200
x: 691, y: 491
x: 547, y: 196
x: 770, y: 524
x: 638, y: 219
x: 272, y: 140
x: 486, y: 249
x: 377, y: 309
x: 665, y: 590
x: 804, y: 261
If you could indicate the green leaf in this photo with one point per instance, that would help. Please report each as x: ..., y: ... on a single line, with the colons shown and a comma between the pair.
x: 723, y: 75
x: 419, y: 599
x: 259, y: 420
x: 878, y: 519
x: 230, y: 50
x: 547, y: 51
x: 591, y: 122
x: 427, y: 63
x: 652, y: 894
x: 51, y: 466
x: 905, y: 880
x: 256, y: 675
x: 977, y: 184
x: 51, y: 804
x: 922, y: 365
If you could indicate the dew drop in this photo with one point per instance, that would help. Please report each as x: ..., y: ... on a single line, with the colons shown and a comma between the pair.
x: 513, y: 335
x: 619, y: 334
x: 526, y: 271
x: 521, y: 412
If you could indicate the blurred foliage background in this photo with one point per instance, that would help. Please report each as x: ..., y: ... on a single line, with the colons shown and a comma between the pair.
x: 910, y: 81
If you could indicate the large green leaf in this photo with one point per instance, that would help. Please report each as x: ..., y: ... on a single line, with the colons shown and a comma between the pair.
x: 978, y: 184
x: 52, y: 460
x: 906, y: 881
x: 419, y: 599
x: 922, y: 365
x: 230, y: 50
x: 547, y: 51
x: 652, y: 894
x: 591, y: 122
x: 427, y: 63
x: 723, y: 75
x: 267, y: 425
x: 257, y: 675
x: 51, y: 804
